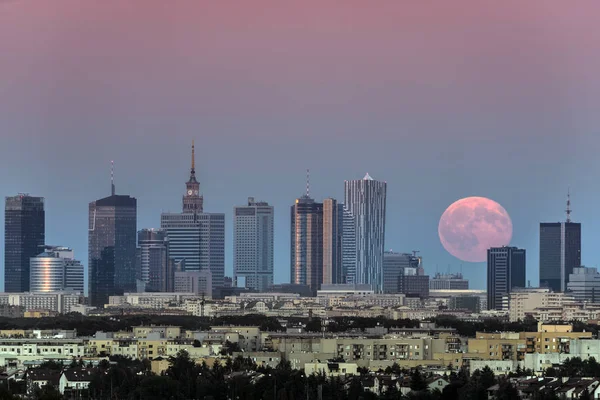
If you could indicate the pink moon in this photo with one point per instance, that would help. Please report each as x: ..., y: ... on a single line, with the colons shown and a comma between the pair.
x: 470, y: 226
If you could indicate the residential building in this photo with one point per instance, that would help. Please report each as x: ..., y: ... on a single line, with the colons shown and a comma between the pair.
x: 195, y: 237
x: 448, y: 282
x: 155, y: 270
x: 56, y: 270
x: 505, y: 271
x: 560, y: 253
x: 333, y: 221
x: 584, y: 284
x: 24, y: 237
x: 253, y: 237
x: 306, y: 258
x: 60, y: 302
x: 394, y: 265
x: 523, y: 302
x: 365, y: 204
x: 111, y: 246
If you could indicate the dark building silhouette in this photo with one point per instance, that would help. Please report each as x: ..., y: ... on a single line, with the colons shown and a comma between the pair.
x: 505, y: 271
x: 112, y: 247
x: 471, y: 303
x: 24, y: 237
x: 154, y: 259
x: 560, y: 252
x: 394, y: 265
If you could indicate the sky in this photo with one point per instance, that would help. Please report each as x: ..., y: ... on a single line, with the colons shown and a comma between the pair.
x: 442, y: 100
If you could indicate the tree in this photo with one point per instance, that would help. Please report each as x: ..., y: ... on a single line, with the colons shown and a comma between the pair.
x: 47, y: 392
x: 417, y: 381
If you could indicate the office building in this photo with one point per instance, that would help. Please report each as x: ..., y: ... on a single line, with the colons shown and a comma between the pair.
x: 197, y: 282
x: 196, y: 238
x: 505, y: 272
x: 560, y: 252
x: 393, y: 266
x: 112, y: 247
x: 153, y: 246
x: 60, y: 302
x: 333, y: 218
x: 584, y: 284
x: 448, y: 282
x: 306, y: 257
x: 56, y: 270
x: 413, y: 282
x: 253, y: 245
x: 349, y: 255
x: 24, y: 237
x: 365, y: 202
x: 470, y: 303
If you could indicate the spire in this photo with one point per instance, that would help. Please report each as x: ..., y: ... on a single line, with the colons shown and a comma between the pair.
x: 112, y: 178
x: 307, y: 183
x: 193, y: 159
x: 568, y: 210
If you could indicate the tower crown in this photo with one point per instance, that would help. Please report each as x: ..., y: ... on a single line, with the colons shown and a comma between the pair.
x: 192, y: 200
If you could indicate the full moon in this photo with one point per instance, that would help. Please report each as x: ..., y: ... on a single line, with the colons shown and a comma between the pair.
x: 470, y: 226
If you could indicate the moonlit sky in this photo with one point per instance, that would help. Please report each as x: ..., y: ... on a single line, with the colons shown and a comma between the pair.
x: 442, y: 100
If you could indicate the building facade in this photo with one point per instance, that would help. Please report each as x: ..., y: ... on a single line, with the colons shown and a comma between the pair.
x: 112, y: 247
x: 253, y: 238
x: 505, y: 271
x: 197, y: 282
x: 365, y: 203
x: 56, y: 270
x: 584, y: 284
x: 394, y: 265
x: 196, y: 238
x: 306, y: 255
x: 560, y: 252
x: 448, y: 282
x: 333, y: 219
x: 24, y: 237
x: 154, y: 271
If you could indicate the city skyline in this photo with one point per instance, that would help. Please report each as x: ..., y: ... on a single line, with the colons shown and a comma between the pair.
x: 437, y: 100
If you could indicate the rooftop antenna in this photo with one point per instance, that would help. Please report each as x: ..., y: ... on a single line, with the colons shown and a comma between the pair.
x: 307, y: 183
x: 568, y: 210
x: 112, y: 178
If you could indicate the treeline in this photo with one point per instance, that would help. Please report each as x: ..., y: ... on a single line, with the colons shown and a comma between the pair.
x: 242, y: 379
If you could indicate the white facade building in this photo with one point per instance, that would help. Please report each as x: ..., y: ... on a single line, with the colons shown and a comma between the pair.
x: 253, y: 245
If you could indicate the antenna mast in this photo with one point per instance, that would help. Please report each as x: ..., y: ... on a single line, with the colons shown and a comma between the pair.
x: 307, y: 183
x: 568, y: 210
x: 112, y: 178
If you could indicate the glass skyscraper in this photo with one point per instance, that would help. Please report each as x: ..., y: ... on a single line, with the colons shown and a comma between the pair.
x: 560, y: 253
x: 112, y: 247
x: 253, y: 245
x: 154, y: 259
x: 365, y: 205
x: 56, y: 269
x: 506, y: 268
x: 306, y: 247
x: 24, y: 237
x: 333, y: 218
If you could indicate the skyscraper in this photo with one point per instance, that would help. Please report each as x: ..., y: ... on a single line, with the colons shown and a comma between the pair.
x: 333, y: 220
x: 56, y: 269
x: 505, y: 271
x: 24, y: 236
x: 365, y: 203
x: 154, y: 259
x: 394, y: 265
x: 112, y: 246
x: 253, y: 245
x: 195, y: 237
x: 306, y: 255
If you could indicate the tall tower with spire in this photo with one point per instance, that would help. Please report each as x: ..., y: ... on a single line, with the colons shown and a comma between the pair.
x: 193, y: 202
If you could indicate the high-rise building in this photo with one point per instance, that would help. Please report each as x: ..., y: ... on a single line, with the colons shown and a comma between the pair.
x: 197, y: 282
x: 56, y: 270
x: 306, y: 255
x: 584, y: 284
x: 394, y: 265
x: 154, y: 259
x: 505, y: 272
x: 448, y: 282
x: 253, y: 245
x: 196, y: 238
x: 365, y: 203
x: 413, y: 282
x: 24, y: 237
x: 112, y: 247
x: 560, y: 253
x: 333, y: 219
